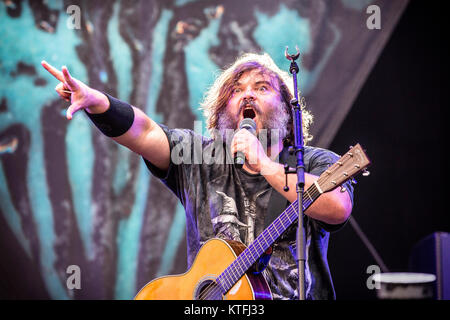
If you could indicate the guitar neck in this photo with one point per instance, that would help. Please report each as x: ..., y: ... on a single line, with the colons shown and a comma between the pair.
x: 252, y: 253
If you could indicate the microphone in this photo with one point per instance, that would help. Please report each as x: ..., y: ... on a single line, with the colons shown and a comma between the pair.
x: 250, y: 125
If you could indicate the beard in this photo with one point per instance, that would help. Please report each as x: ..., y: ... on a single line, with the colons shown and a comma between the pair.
x: 274, y: 124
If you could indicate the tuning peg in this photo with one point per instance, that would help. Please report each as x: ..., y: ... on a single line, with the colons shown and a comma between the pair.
x: 366, y: 173
x: 343, y: 189
x: 353, y: 182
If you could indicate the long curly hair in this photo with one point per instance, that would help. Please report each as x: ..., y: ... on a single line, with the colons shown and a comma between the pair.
x: 218, y: 95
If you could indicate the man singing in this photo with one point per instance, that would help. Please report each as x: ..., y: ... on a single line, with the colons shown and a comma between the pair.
x: 223, y: 200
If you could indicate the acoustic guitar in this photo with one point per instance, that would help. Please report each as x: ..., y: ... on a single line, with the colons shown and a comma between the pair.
x: 222, y: 269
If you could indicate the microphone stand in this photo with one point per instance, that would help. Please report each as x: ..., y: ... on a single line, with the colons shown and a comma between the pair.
x: 300, y: 171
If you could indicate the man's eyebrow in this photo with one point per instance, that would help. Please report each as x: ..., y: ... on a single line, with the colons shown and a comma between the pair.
x: 237, y: 83
x: 264, y: 82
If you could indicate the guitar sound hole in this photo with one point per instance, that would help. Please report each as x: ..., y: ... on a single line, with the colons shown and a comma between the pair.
x: 208, y: 290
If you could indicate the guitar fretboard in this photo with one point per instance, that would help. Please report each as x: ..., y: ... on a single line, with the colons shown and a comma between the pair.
x: 252, y: 253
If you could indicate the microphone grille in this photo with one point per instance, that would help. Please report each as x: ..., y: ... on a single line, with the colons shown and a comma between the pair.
x: 247, y: 123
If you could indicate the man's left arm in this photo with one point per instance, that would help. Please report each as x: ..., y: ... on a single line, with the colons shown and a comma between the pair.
x: 332, y: 207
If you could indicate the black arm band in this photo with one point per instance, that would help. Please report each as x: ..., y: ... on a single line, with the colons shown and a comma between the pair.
x: 116, y: 120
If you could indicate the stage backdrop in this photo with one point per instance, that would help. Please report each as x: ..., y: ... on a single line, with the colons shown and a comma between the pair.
x: 74, y: 203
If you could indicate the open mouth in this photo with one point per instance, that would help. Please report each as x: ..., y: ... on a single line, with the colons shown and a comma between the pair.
x: 249, y: 113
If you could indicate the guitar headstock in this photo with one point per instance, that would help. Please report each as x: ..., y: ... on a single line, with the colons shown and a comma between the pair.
x: 349, y: 165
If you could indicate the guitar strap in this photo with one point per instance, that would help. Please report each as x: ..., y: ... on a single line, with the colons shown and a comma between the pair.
x: 278, y: 203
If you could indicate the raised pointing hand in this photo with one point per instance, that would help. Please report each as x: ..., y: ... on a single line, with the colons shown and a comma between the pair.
x: 76, y: 92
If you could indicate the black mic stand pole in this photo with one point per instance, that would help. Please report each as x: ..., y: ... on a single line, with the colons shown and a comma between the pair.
x: 300, y: 171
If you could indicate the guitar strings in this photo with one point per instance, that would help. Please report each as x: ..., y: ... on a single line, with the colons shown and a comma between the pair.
x: 213, y: 289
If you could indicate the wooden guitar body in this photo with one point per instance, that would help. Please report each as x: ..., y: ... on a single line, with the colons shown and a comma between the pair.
x: 199, y: 281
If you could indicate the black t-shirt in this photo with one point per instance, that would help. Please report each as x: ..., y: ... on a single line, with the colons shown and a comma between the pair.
x: 225, y: 202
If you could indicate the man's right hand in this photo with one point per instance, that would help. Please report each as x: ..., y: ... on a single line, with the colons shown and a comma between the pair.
x: 145, y: 137
x: 77, y: 93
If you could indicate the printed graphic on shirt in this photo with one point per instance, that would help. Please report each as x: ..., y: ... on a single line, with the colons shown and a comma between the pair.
x: 236, y: 221
x: 226, y: 224
x: 250, y: 213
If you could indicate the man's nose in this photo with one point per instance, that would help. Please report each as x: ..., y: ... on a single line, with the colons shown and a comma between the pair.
x: 249, y: 93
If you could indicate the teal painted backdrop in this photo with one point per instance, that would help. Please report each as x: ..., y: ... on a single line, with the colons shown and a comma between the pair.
x: 70, y: 196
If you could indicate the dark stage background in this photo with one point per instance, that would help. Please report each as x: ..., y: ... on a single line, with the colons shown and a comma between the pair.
x: 398, y: 117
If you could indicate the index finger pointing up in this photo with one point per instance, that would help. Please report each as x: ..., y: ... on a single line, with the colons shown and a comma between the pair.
x: 55, y: 72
